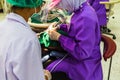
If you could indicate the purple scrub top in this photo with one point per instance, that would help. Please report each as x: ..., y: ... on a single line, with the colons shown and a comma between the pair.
x: 100, y: 10
x: 83, y: 46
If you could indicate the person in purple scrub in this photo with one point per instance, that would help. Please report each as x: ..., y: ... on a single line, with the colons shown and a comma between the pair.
x: 83, y: 58
x: 100, y: 10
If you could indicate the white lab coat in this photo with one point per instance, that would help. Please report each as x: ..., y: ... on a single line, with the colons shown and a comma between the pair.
x: 20, y: 52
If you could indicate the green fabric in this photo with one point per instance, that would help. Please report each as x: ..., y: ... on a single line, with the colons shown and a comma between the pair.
x: 35, y: 18
x: 44, y: 37
x: 46, y: 41
x: 25, y: 3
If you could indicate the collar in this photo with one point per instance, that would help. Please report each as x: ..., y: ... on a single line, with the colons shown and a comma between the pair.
x: 17, y: 18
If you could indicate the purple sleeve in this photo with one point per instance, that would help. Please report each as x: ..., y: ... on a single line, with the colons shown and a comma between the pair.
x: 64, y: 27
x: 85, y: 41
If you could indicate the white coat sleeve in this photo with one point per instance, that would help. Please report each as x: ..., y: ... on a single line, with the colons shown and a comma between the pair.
x: 25, y: 63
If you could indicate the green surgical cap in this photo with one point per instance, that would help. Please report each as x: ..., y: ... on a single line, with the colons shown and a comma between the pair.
x: 25, y: 3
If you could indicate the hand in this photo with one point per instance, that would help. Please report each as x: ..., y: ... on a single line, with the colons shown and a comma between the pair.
x: 47, y: 75
x: 54, y: 35
x: 53, y: 26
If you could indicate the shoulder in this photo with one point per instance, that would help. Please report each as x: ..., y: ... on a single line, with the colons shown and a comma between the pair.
x: 16, y: 34
x: 86, y: 14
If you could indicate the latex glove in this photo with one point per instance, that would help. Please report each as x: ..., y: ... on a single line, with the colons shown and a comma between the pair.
x: 47, y: 75
x: 54, y: 35
x: 53, y: 26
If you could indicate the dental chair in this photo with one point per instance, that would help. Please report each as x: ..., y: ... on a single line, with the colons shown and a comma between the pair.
x: 109, y: 49
x: 109, y: 12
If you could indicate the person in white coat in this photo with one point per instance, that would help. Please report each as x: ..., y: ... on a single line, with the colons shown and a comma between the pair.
x: 20, y: 51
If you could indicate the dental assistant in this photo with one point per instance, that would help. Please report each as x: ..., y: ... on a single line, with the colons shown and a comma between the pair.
x: 82, y: 44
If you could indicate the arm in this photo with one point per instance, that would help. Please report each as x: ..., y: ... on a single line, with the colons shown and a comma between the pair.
x: 64, y: 27
x: 82, y: 44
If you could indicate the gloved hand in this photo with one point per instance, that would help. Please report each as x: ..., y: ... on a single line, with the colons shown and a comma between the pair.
x: 54, y: 35
x: 53, y: 26
x: 52, y: 32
